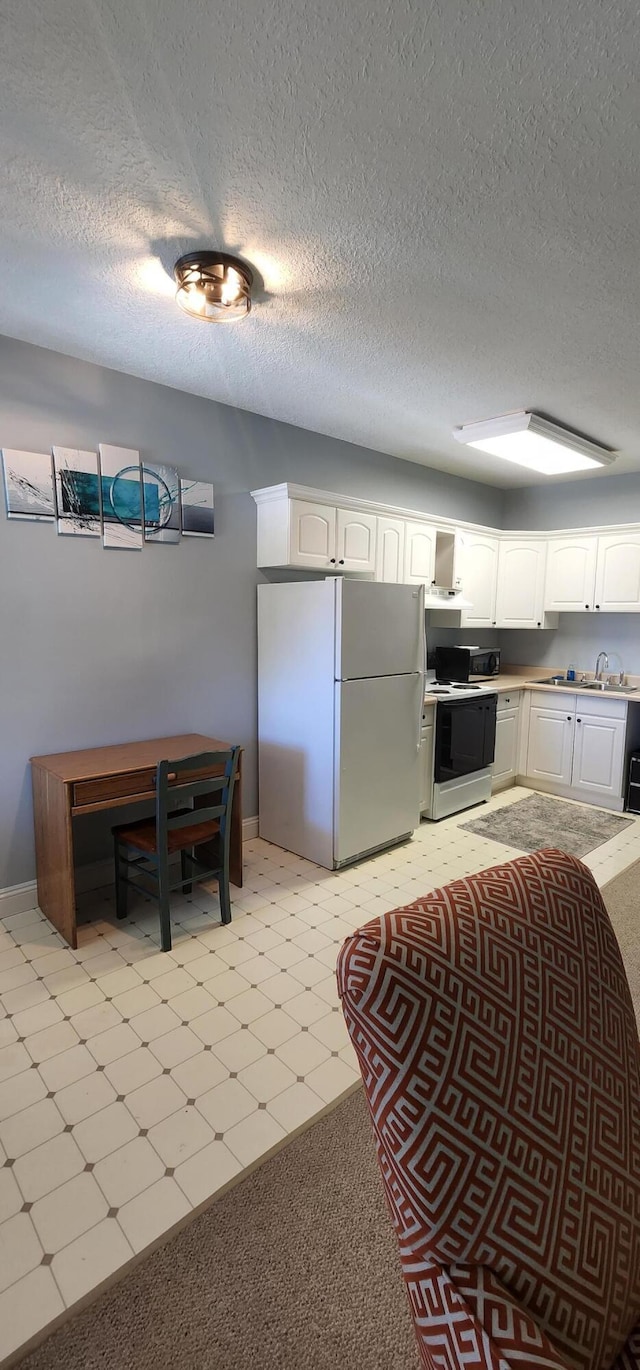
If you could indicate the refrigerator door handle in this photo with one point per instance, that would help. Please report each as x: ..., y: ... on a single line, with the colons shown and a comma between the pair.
x: 422, y: 668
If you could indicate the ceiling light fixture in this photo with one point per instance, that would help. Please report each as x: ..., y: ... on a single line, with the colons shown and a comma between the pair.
x: 529, y: 440
x: 213, y: 286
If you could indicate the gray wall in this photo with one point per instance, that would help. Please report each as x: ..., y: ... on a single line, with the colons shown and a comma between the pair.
x: 103, y: 646
x: 576, y: 504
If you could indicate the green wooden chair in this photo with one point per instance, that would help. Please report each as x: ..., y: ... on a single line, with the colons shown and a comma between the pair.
x: 204, y: 783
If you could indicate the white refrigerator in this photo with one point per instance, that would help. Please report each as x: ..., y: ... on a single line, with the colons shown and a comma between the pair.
x: 340, y: 692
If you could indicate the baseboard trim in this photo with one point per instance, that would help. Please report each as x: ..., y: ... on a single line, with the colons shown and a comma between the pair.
x: 20, y: 898
x: 17, y: 898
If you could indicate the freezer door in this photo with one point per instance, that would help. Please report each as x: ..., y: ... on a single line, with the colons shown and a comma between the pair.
x: 379, y: 629
x: 377, y: 782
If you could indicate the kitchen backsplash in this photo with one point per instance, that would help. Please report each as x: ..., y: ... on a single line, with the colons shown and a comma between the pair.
x: 576, y: 641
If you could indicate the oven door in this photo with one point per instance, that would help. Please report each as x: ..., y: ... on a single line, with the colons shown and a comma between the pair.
x: 465, y: 736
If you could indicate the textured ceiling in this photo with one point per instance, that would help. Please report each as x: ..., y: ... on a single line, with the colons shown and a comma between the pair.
x: 441, y: 199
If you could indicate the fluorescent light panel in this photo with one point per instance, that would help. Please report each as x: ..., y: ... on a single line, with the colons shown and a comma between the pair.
x: 529, y: 440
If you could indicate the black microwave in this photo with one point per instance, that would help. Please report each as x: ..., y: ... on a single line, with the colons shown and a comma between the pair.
x: 467, y: 663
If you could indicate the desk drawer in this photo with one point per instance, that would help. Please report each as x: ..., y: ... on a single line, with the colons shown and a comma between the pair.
x: 108, y: 787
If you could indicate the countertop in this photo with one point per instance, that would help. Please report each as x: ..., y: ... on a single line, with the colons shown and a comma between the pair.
x: 525, y: 678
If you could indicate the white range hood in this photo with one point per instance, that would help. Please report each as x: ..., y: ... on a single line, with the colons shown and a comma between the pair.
x: 445, y: 593
x: 439, y: 597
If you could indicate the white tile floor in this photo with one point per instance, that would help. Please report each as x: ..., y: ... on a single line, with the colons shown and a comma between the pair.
x: 133, y: 1084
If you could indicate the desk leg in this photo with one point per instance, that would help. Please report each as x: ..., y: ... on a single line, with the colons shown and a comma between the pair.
x: 54, y: 852
x: 235, y: 842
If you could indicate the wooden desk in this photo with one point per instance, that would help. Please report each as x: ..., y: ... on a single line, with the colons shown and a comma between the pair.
x: 71, y: 783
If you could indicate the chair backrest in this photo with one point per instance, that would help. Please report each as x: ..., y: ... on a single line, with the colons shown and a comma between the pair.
x: 207, y: 774
x: 498, y: 1046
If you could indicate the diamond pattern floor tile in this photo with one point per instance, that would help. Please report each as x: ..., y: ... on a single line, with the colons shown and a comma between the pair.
x: 134, y: 1084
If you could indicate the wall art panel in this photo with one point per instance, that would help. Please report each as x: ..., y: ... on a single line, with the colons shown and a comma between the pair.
x: 121, y: 487
x: 197, y: 509
x: 77, y: 492
x: 161, y: 502
x: 28, y: 485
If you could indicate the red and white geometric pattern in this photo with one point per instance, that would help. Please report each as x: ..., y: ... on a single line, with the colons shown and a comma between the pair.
x: 498, y: 1047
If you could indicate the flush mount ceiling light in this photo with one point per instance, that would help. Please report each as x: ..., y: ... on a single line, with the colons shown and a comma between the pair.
x: 213, y: 286
x: 529, y: 440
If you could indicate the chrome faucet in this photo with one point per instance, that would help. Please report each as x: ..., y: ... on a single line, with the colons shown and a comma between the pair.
x: 598, y: 671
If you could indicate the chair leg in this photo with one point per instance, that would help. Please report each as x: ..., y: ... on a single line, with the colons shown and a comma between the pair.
x: 184, y: 871
x: 224, y: 896
x: 163, y: 904
x: 165, y: 922
x: 122, y: 889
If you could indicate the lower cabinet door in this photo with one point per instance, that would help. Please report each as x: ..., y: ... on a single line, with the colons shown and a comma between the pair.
x: 550, y: 748
x: 504, y: 765
x: 426, y: 765
x: 598, y: 754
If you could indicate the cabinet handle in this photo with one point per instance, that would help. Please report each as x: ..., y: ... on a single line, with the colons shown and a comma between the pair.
x: 341, y: 562
x: 568, y: 718
x: 586, y: 606
x: 540, y: 625
x: 578, y: 720
x: 597, y: 606
x: 333, y: 561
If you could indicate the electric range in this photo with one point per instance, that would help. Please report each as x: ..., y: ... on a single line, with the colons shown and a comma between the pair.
x: 465, y: 735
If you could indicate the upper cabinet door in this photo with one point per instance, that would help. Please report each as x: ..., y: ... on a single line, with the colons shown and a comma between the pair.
x: 419, y: 553
x: 571, y: 573
x: 312, y: 534
x: 390, y: 550
x: 355, y: 541
x: 479, y: 566
x: 519, y: 601
x: 618, y: 572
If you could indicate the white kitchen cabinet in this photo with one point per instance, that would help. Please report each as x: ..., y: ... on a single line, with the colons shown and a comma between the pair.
x: 505, y: 763
x: 512, y: 581
x: 390, y: 550
x: 355, y: 540
x: 599, y: 749
x: 520, y: 596
x: 307, y: 533
x: 618, y: 573
x: 479, y: 574
x: 571, y: 573
x: 419, y: 553
x: 593, y: 573
x: 551, y: 729
x: 312, y: 534
x: 427, y: 735
x: 577, y: 744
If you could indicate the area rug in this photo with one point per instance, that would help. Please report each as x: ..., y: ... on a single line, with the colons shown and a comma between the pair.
x: 295, y: 1266
x: 540, y: 821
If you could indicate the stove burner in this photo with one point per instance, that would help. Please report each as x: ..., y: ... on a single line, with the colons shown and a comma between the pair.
x: 458, y: 685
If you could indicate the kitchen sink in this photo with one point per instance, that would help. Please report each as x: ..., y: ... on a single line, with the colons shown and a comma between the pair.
x: 554, y: 680
x: 602, y: 685
x: 606, y: 688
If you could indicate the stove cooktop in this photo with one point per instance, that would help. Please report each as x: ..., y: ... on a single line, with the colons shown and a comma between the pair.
x: 451, y: 688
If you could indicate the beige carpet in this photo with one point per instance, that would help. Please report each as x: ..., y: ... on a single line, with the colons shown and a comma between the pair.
x: 294, y: 1267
